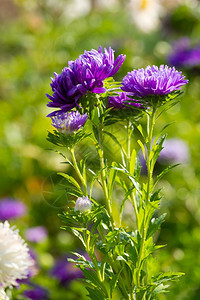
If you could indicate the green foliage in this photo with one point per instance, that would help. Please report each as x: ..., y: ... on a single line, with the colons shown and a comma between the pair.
x: 66, y: 140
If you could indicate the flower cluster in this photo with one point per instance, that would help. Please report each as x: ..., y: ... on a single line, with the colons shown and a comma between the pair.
x: 153, y: 81
x: 84, y: 74
x: 68, y: 122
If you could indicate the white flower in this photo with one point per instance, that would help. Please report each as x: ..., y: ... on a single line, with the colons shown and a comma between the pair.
x: 145, y: 14
x: 83, y: 204
x: 3, y: 295
x: 14, y: 257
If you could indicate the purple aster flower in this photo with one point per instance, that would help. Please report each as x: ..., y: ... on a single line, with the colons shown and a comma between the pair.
x: 120, y: 101
x: 36, y: 234
x: 36, y: 293
x: 153, y: 81
x: 84, y: 74
x: 65, y: 271
x: 10, y: 209
x: 184, y: 54
x: 68, y: 122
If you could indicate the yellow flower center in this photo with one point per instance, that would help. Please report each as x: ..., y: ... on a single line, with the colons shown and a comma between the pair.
x: 144, y: 4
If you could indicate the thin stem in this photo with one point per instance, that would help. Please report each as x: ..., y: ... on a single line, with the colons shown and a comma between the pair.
x: 75, y: 165
x: 103, y: 175
x: 150, y: 126
x: 128, y: 135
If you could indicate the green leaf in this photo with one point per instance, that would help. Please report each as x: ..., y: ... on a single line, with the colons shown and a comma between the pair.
x: 155, y: 196
x: 73, y: 192
x: 168, y: 276
x: 93, y: 278
x: 154, y: 225
x: 164, y: 172
x: 132, y: 161
x: 115, y: 140
x: 75, y: 232
x: 139, y: 127
x: 71, y: 180
x: 95, y: 294
x: 143, y: 149
x: 111, y: 179
x: 95, y: 177
x: 114, y: 281
x: 128, y: 193
x: 156, y: 149
x: 67, y: 140
x: 131, y: 177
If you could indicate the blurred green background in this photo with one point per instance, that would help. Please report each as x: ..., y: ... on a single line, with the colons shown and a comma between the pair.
x: 37, y: 38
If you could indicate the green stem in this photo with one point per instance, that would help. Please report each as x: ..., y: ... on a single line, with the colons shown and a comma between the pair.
x: 75, y: 165
x: 150, y: 126
x: 128, y: 135
x: 103, y: 176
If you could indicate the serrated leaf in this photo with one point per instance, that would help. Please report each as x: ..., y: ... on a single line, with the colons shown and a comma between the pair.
x: 168, y: 276
x: 92, y: 277
x: 156, y: 149
x: 95, y: 294
x: 154, y: 225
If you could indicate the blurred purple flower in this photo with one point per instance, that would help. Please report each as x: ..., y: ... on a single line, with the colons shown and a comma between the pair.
x: 153, y: 81
x: 84, y: 74
x: 68, y: 122
x: 120, y: 101
x: 65, y: 271
x: 33, y: 270
x: 174, y: 151
x: 184, y: 54
x: 36, y: 293
x: 11, y: 209
x: 36, y: 234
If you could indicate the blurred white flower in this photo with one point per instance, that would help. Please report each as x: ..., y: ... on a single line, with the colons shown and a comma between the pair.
x: 145, y: 14
x: 14, y: 256
x: 3, y: 295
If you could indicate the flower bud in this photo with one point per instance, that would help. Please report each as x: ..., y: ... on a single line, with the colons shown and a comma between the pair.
x: 83, y: 204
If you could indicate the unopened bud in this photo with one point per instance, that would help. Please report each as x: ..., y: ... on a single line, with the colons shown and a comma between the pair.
x: 83, y: 204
